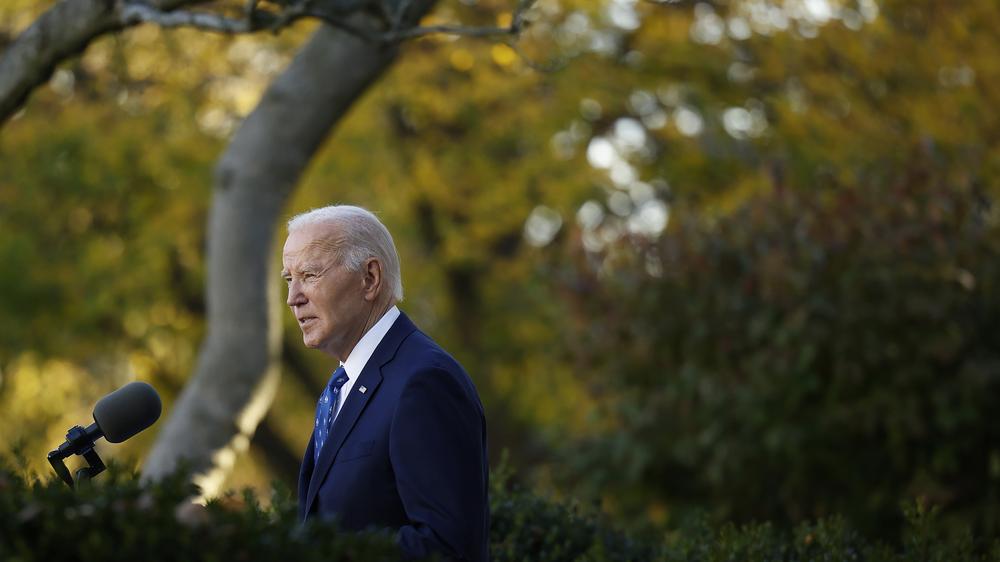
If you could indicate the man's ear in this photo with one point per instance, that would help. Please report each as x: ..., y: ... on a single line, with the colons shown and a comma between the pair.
x: 372, y: 279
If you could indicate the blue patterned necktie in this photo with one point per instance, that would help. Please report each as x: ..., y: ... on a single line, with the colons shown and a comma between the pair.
x: 326, y: 408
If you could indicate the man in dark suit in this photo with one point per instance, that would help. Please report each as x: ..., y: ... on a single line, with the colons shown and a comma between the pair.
x: 400, y: 438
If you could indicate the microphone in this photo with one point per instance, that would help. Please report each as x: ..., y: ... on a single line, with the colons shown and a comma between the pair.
x: 117, y: 417
x: 127, y: 411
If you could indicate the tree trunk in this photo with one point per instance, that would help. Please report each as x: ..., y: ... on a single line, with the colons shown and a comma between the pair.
x: 237, y: 371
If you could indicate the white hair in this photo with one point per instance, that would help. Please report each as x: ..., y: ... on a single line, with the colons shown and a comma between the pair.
x: 363, y: 236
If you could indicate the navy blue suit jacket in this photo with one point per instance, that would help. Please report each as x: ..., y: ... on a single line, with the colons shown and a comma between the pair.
x: 407, y: 451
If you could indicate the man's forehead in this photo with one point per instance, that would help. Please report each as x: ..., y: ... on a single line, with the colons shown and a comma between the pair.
x: 321, y: 246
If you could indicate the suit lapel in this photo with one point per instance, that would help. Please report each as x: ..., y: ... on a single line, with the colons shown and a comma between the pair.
x: 354, y: 404
x: 305, y: 475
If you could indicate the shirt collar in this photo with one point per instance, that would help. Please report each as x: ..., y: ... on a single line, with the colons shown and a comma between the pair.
x: 363, y: 351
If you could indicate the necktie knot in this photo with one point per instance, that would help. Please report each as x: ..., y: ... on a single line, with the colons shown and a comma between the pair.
x: 338, y: 381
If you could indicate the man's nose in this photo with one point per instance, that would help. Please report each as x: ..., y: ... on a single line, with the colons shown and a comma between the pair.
x: 295, y: 295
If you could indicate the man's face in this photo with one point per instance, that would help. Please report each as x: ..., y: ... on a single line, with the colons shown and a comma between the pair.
x: 328, y: 301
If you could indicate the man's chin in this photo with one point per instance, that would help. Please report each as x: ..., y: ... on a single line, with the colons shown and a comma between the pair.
x: 311, y: 343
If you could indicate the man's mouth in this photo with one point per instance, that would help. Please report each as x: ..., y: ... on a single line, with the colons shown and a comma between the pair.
x: 306, y: 319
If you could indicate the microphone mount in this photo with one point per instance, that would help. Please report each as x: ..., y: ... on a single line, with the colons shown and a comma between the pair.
x: 118, y: 416
x: 79, y: 441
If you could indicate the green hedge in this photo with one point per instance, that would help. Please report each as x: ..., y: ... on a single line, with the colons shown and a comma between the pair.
x: 809, y: 354
x: 117, y: 518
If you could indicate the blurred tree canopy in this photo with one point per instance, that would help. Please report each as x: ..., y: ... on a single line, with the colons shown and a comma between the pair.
x: 724, y: 255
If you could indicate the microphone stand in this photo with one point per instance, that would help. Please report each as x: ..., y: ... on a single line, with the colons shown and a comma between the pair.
x: 79, y: 441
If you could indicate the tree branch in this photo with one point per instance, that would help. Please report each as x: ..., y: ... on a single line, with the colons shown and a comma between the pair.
x: 397, y: 33
x: 69, y: 26
x: 61, y: 32
x: 259, y: 20
x: 132, y: 14
x: 356, y: 30
x: 414, y: 32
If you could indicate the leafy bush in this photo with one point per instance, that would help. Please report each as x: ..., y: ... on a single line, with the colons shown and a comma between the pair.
x: 810, y: 354
x: 525, y: 526
x: 118, y: 518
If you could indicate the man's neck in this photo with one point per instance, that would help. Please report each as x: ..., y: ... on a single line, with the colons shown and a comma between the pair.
x: 376, y: 314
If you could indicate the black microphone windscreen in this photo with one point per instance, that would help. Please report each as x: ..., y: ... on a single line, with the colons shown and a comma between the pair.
x: 127, y: 411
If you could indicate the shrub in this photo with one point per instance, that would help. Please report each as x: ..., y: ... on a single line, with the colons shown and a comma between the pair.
x: 810, y: 354
x: 118, y: 518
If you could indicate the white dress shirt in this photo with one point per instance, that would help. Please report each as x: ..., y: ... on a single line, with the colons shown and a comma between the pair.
x: 362, y: 352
